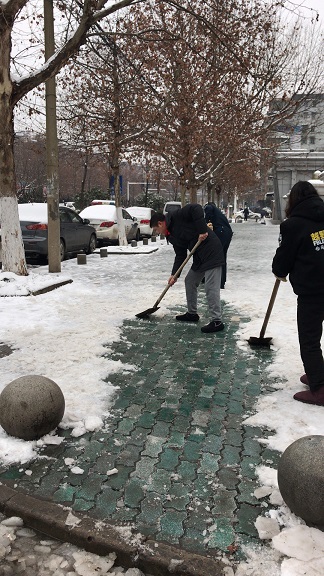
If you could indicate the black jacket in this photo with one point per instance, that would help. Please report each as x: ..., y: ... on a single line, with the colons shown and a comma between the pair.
x: 221, y: 225
x: 301, y: 251
x: 184, y: 227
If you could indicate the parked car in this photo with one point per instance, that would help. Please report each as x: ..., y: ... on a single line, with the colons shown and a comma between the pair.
x: 95, y: 202
x: 75, y: 233
x: 143, y: 216
x: 251, y: 216
x: 103, y: 217
x: 171, y: 207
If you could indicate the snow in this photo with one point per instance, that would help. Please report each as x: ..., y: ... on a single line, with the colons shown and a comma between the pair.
x: 65, y: 334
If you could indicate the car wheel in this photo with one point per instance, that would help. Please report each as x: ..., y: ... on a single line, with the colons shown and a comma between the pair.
x: 138, y: 235
x: 92, y: 245
x: 62, y: 250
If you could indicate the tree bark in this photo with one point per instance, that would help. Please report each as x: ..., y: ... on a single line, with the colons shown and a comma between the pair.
x: 13, y: 254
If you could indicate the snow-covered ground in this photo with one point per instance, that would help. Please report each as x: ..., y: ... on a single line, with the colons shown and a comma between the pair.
x: 62, y: 335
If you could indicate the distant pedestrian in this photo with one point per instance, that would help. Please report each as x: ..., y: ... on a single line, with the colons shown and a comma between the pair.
x: 262, y: 215
x: 182, y: 229
x: 301, y: 255
x: 246, y: 213
x: 222, y: 229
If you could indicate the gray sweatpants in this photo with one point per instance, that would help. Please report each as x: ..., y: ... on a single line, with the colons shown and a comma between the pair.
x: 212, y: 289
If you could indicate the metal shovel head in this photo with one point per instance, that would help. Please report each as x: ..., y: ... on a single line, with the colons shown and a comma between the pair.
x: 261, y: 342
x: 147, y: 312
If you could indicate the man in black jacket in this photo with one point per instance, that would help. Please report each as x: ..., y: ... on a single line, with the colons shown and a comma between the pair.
x: 182, y: 229
x: 301, y: 255
x: 222, y: 229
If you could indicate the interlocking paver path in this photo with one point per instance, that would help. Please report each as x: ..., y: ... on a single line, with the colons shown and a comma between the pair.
x: 185, y: 460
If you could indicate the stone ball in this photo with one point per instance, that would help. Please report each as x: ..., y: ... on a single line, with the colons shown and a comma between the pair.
x: 301, y: 478
x: 31, y: 406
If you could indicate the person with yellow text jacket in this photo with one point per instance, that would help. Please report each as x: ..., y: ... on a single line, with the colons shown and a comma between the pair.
x: 182, y: 229
x: 301, y: 255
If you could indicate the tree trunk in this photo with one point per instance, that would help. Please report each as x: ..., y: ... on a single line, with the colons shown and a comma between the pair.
x: 13, y: 254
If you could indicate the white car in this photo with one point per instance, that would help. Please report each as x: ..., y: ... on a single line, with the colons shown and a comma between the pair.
x: 103, y: 217
x: 171, y: 207
x: 143, y: 216
x: 251, y: 216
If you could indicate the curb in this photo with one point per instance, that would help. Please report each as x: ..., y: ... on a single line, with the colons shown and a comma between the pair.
x: 61, y: 523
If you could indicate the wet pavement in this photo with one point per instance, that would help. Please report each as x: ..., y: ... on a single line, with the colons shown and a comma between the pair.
x: 175, y: 460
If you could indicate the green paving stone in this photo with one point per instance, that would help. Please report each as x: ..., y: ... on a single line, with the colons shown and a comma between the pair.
x: 213, y: 444
x: 138, y: 436
x: 194, y: 545
x: 49, y: 484
x: 206, y: 392
x: 145, y: 467
x: 222, y: 535
x: 126, y: 426
x: 134, y: 493
x: 216, y: 426
x: 91, y: 486
x: 176, y: 440
x: 105, y: 463
x: 166, y: 414
x: 106, y: 502
x: 187, y: 471
x: 80, y: 505
x: 247, y: 516
x: 171, y: 526
x: 129, y: 455
x: 203, y: 403
x: 192, y: 451
x: 271, y: 457
x: 209, y: 463
x: 161, y: 429
x: 153, y: 446
x: 151, y: 510
x: 248, y: 466
x: 197, y: 435
x: 133, y: 411
x: 146, y: 420
x: 246, y: 489
x: 92, y: 450
x: 230, y: 455
x: 181, y: 423
x: 118, y: 481
x: 252, y: 447
x: 220, y: 399
x: 235, y: 407
x: 177, y: 498
x: 12, y: 474
x: 64, y: 494
x: 159, y: 482
x: 234, y: 437
x: 197, y: 520
x: 224, y: 503
x: 124, y: 515
x: 185, y: 407
x: 228, y: 477
x: 169, y: 459
x: 234, y: 421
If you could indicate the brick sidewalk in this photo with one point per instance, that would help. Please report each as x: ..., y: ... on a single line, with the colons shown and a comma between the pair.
x: 185, y: 460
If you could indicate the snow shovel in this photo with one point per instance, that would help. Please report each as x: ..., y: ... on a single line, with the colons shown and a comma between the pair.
x: 261, y: 341
x: 150, y: 311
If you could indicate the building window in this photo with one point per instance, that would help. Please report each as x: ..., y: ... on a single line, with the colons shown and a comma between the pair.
x: 303, y: 140
x: 312, y: 140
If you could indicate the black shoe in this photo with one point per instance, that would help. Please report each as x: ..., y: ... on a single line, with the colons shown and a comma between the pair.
x: 213, y: 326
x: 187, y: 317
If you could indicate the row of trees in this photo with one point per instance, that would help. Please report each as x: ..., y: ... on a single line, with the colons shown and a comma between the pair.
x: 183, y: 87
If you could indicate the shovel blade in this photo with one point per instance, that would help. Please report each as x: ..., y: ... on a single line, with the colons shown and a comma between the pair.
x: 261, y: 342
x: 147, y: 312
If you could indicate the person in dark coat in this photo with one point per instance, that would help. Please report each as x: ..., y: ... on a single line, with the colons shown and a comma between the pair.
x: 182, y: 229
x: 246, y: 213
x: 222, y: 229
x: 301, y: 255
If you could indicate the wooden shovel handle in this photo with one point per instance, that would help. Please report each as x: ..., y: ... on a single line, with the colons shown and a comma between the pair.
x: 270, y: 306
x: 178, y: 272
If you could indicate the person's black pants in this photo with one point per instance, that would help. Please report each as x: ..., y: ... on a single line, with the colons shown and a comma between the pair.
x: 310, y: 316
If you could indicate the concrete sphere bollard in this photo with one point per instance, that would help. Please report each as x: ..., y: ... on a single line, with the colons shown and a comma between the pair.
x: 31, y: 406
x: 301, y: 478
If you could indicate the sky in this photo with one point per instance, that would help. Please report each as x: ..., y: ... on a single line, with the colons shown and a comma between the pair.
x: 62, y: 335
